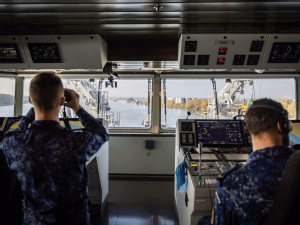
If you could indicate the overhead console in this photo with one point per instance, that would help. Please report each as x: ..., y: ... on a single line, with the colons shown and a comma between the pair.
x: 53, y: 52
x: 218, y: 51
x: 239, y: 51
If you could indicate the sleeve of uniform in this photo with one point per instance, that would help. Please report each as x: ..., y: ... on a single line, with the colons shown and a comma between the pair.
x: 96, y: 133
x: 25, y: 121
x: 224, y: 212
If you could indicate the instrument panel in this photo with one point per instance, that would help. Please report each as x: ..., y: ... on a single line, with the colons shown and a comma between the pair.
x: 239, y: 51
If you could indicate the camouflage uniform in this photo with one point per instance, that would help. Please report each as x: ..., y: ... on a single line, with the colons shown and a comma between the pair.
x: 51, y: 167
x: 245, y: 193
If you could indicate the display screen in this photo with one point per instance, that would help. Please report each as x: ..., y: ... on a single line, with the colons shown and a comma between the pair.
x: 253, y: 59
x: 295, y: 133
x: 190, y: 46
x: 73, y: 124
x: 219, y: 132
x: 239, y: 60
x: 256, y: 46
x: 187, y: 139
x: 12, y: 124
x: 203, y: 60
x: 186, y: 126
x: 221, y: 61
x: 222, y: 51
x: 44, y: 53
x: 9, y: 54
x: 285, y: 52
x: 189, y: 60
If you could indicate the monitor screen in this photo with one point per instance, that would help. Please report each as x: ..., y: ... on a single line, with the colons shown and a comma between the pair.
x: 11, y: 124
x: 9, y: 54
x: 44, y: 53
x: 285, y: 52
x: 295, y: 133
x: 219, y: 132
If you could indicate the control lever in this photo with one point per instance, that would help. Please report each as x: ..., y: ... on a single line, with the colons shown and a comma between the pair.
x: 200, y: 153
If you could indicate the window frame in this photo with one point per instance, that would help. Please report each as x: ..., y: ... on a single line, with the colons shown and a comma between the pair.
x: 219, y: 77
x: 156, y: 109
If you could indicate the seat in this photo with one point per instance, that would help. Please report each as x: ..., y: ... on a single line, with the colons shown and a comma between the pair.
x: 286, y: 206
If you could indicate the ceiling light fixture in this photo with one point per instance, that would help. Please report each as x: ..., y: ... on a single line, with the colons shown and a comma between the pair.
x: 158, y: 7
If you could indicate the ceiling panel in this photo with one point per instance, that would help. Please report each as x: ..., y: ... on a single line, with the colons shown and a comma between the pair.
x: 134, y: 21
x: 148, y: 7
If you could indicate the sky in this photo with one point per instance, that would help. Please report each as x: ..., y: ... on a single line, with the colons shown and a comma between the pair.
x: 271, y: 88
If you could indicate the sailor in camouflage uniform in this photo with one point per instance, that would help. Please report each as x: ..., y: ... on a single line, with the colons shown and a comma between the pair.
x: 245, y: 193
x: 49, y: 161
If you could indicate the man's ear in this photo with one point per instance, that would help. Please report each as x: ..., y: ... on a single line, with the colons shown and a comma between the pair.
x: 278, y: 127
x: 62, y: 101
x: 29, y: 99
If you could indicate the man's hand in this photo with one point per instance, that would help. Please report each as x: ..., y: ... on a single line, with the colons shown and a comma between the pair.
x: 74, y: 103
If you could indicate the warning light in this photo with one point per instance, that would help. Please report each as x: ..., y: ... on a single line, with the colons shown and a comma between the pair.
x: 221, y: 61
x: 222, y: 51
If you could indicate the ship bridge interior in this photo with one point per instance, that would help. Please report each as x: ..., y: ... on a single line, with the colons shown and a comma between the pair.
x: 142, y: 66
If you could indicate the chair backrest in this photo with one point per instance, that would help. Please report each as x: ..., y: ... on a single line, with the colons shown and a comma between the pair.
x: 286, y: 206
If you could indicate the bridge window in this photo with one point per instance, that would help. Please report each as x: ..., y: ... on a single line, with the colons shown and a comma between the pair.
x: 7, y: 97
x: 123, y: 106
x: 233, y: 95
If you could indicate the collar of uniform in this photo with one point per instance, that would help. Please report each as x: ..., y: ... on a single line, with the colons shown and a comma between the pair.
x: 268, y: 152
x: 45, y: 123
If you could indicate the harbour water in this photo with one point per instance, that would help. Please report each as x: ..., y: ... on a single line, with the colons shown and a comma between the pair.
x: 132, y: 115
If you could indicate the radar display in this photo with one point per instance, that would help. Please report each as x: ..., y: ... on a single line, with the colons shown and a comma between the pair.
x: 285, y: 52
x: 219, y: 132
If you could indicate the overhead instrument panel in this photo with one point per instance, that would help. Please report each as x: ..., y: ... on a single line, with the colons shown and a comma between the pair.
x: 221, y: 51
x: 44, y: 52
x: 282, y: 52
x: 288, y: 52
x: 219, y: 132
x: 86, y: 51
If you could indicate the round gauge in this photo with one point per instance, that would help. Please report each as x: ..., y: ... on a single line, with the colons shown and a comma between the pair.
x: 186, y: 126
x: 190, y: 46
x: 203, y: 131
x: 287, y: 50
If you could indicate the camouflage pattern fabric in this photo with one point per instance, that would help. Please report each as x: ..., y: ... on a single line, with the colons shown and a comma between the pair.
x: 51, y: 167
x: 245, y: 194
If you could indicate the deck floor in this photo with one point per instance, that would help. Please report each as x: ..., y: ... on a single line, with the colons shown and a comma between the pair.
x: 139, y: 203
